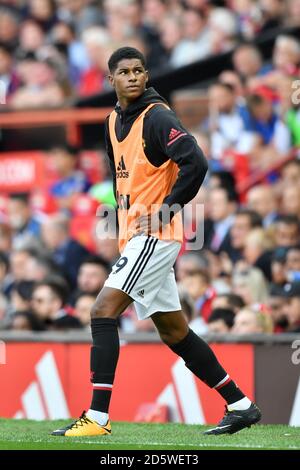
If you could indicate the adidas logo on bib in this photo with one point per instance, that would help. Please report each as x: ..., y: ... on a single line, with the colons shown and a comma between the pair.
x: 121, y: 169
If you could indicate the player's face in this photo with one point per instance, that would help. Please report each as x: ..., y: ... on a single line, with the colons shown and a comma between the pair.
x: 129, y: 80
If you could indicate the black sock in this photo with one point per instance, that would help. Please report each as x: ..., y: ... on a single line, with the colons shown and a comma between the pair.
x: 104, y: 358
x: 201, y: 360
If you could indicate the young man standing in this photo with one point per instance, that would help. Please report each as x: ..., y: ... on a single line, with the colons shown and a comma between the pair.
x: 156, y: 165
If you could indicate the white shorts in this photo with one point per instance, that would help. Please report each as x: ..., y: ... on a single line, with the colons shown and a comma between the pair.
x: 145, y: 272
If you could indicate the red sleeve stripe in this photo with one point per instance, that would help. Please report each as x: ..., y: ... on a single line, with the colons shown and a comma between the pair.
x: 218, y: 387
x: 173, y: 140
x: 102, y: 388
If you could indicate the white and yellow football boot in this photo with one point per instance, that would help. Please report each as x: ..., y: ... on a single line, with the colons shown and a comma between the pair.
x: 83, y: 426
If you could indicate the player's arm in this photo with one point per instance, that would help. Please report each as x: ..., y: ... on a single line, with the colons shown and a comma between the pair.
x: 166, y: 138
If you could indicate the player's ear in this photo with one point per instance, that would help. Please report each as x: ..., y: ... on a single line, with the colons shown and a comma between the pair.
x: 147, y: 76
x: 111, y: 80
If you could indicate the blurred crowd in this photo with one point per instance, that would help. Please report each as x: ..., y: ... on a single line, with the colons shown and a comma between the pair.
x: 246, y: 278
x: 54, y: 50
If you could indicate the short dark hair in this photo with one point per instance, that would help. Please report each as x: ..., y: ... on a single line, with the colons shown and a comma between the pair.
x: 225, y: 314
x: 22, y: 197
x: 226, y: 178
x: 24, y: 289
x: 4, y: 261
x: 230, y: 193
x: 203, y: 273
x: 97, y: 260
x: 235, y: 301
x: 254, y: 100
x: 57, y: 285
x: 226, y: 86
x: 288, y: 219
x: 294, y: 161
x: 124, y: 53
x: 293, y: 248
x: 70, y: 149
x: 7, y: 48
x: 34, y: 322
x: 254, y: 217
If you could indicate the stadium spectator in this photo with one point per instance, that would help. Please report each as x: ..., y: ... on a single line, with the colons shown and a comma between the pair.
x: 80, y: 13
x: 21, y: 295
x: 189, y: 262
x: 267, y: 126
x: 258, y: 250
x: 82, y: 310
x: 292, y: 264
x: 97, y: 44
x: 262, y: 199
x: 25, y: 226
x: 223, y: 29
x: 9, y: 26
x: 6, y: 280
x: 107, y: 248
x: 72, y: 49
x: 43, y: 12
x: 222, y: 179
x: 278, y: 271
x: 272, y: 14
x: 286, y: 54
x: 56, y: 237
x: 290, y: 202
x: 147, y: 31
x: 187, y: 303
x: 38, y: 267
x: 234, y: 80
x: 220, y: 321
x: 222, y: 206
x: 25, y: 320
x: 287, y: 231
x: 225, y: 122
x: 229, y: 301
x: 4, y: 319
x: 198, y: 286
x: 41, y: 86
x: 250, y: 284
x: 195, y: 321
x: 196, y: 39
x: 293, y: 13
x: 5, y: 238
x: 92, y: 274
x: 275, y: 303
x: 71, y: 180
x: 290, y: 173
x: 249, y: 321
x: 291, y: 307
x: 245, y: 221
x: 32, y: 36
x: 19, y: 259
x: 247, y: 61
x: 8, y: 76
x: 252, y: 124
x: 48, y: 301
x: 170, y: 36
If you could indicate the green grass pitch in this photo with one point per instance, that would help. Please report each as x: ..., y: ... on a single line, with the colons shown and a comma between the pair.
x: 24, y: 434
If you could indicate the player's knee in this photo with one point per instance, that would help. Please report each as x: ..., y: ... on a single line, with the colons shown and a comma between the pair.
x: 102, y: 310
x: 172, y: 336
